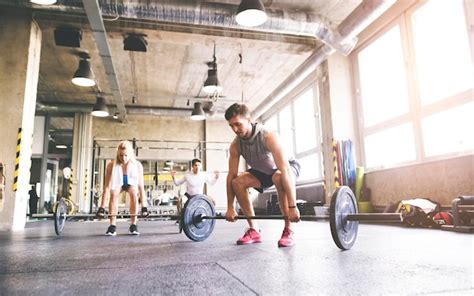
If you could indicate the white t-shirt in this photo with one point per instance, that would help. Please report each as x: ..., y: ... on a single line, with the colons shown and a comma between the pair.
x: 165, y: 197
x: 195, y: 182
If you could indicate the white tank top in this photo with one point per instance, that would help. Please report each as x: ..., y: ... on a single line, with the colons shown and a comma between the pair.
x: 117, y: 175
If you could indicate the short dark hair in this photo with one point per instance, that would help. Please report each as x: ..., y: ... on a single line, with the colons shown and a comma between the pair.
x: 237, y: 109
x: 195, y: 160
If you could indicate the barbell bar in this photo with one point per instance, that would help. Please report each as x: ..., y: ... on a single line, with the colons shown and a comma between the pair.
x: 364, y: 217
x: 198, y: 218
x: 60, y: 215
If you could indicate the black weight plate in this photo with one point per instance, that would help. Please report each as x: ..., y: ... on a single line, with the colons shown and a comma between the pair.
x: 195, y: 228
x: 344, y: 233
x: 60, y: 214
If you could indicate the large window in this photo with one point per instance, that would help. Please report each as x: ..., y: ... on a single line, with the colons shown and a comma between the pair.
x: 415, y: 87
x: 298, y: 124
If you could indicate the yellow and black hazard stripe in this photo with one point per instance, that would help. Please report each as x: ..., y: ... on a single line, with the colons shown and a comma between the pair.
x: 85, y: 184
x: 69, y: 196
x: 17, y: 160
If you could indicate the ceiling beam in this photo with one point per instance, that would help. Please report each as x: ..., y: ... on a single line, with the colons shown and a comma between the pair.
x: 94, y: 15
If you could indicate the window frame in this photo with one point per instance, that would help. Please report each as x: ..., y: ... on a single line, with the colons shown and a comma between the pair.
x: 401, y: 16
x: 288, y: 101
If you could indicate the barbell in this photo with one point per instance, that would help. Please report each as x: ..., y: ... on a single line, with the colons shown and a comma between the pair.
x: 198, y: 217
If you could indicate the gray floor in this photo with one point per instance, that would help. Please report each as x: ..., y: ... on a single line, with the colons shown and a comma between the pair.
x: 386, y: 260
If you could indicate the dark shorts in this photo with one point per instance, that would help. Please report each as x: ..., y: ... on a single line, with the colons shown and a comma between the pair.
x: 266, y: 180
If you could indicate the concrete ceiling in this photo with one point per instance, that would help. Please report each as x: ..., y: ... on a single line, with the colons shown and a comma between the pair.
x: 172, y: 71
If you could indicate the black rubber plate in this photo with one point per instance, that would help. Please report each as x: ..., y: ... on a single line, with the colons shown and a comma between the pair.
x: 344, y: 233
x: 197, y: 229
x: 60, y: 214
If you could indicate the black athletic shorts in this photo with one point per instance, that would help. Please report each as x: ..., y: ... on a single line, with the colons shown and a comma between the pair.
x: 266, y: 180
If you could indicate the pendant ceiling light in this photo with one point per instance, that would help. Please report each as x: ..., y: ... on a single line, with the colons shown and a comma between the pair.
x: 84, y: 75
x: 198, y: 112
x: 100, y: 108
x: 211, y: 85
x: 251, y: 13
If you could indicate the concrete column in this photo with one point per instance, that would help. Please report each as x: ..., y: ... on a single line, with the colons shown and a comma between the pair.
x: 82, y: 161
x: 20, y: 46
x: 327, y: 129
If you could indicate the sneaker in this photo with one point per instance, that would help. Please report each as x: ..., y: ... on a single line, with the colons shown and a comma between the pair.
x: 133, y: 230
x: 286, y: 239
x: 111, y: 231
x: 251, y: 236
x: 177, y: 222
x: 100, y: 213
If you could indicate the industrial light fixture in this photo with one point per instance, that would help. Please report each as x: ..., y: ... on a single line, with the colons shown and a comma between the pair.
x: 100, y: 108
x: 135, y: 42
x: 251, y: 13
x: 198, y: 112
x: 43, y: 2
x: 60, y: 146
x: 68, y: 37
x: 84, y: 75
x: 211, y: 85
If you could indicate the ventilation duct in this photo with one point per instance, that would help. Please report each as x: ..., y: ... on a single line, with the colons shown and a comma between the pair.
x: 208, y: 14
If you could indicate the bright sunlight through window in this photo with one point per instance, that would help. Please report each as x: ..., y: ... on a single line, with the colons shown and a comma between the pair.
x: 442, y: 50
x: 383, y: 79
x: 391, y: 146
x: 449, y: 131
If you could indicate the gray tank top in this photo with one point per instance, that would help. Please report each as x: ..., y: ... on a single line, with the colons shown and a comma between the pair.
x: 255, y: 152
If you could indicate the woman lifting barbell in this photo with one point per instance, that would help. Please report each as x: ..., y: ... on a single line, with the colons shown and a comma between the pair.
x: 124, y: 173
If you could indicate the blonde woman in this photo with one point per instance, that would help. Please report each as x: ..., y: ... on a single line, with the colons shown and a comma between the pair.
x: 124, y: 173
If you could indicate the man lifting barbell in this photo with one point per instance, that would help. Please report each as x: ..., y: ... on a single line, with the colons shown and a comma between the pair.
x: 269, y: 165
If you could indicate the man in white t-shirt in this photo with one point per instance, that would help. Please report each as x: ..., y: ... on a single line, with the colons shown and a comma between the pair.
x: 195, y: 179
x: 165, y: 197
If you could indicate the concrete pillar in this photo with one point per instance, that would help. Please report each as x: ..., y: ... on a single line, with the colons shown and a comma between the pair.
x: 82, y: 161
x: 327, y: 129
x: 20, y: 47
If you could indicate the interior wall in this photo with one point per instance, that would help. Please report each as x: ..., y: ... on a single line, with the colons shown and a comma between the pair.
x: 440, y: 181
x: 150, y: 128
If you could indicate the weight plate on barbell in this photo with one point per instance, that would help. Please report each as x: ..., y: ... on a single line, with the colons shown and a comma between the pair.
x: 194, y: 227
x: 60, y: 213
x: 344, y: 233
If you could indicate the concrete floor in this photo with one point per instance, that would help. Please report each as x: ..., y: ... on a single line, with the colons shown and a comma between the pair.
x: 386, y: 260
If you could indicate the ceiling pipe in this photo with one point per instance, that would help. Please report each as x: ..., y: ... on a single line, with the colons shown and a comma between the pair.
x: 202, y: 13
x: 358, y: 20
x: 208, y: 14
x: 131, y: 110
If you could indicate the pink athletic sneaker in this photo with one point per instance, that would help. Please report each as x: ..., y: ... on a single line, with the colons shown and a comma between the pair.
x: 286, y: 239
x: 251, y: 236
